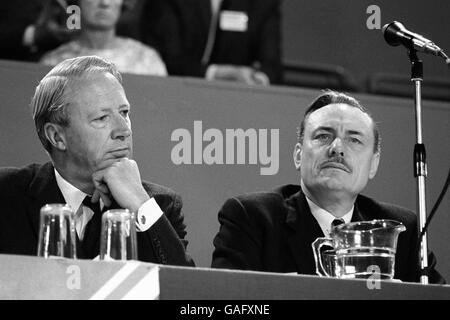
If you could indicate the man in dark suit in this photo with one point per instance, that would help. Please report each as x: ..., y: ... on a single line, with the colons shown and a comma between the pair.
x: 237, y: 40
x: 81, y: 115
x: 337, y: 152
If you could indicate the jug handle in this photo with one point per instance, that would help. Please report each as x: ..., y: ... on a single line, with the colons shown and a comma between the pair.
x: 316, y: 245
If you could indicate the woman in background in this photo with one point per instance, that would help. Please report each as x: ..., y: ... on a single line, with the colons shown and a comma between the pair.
x: 98, y: 37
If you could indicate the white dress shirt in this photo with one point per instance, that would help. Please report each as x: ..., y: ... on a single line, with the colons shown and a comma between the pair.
x: 147, y: 215
x: 325, y: 218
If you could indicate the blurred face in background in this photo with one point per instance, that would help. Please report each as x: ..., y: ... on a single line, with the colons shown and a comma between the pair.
x: 100, y: 14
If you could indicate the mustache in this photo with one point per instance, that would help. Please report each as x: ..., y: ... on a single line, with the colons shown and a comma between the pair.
x: 339, y: 162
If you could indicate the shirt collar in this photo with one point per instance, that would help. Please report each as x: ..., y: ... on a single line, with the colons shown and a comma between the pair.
x: 73, y: 196
x: 325, y: 218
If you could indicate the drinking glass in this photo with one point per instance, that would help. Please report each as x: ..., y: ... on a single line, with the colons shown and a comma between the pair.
x: 57, y: 236
x: 118, y: 235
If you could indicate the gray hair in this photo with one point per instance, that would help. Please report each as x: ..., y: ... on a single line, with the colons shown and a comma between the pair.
x: 49, y: 102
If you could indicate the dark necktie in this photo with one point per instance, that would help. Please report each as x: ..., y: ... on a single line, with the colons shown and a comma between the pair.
x: 337, y: 222
x: 90, y: 244
x: 334, y: 223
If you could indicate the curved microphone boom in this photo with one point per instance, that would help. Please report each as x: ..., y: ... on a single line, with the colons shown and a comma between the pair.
x: 395, y: 34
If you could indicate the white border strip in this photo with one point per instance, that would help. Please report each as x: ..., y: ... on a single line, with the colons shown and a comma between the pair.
x: 147, y: 288
x: 115, y: 281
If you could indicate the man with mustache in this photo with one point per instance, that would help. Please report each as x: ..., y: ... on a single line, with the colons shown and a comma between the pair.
x: 337, y: 153
x: 82, y: 117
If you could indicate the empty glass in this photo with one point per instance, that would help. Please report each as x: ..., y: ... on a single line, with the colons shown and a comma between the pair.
x: 57, y: 236
x: 118, y: 235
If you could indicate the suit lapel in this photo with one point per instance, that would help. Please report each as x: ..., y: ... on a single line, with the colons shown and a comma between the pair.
x: 43, y: 190
x: 205, y: 13
x: 304, y: 230
x: 357, y: 213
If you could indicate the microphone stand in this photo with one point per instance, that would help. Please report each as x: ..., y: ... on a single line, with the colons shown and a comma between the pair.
x: 420, y: 165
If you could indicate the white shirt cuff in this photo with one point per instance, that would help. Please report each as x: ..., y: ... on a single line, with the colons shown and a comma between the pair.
x: 147, y: 215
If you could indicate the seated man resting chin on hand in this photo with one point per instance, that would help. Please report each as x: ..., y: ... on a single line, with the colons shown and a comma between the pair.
x: 82, y: 118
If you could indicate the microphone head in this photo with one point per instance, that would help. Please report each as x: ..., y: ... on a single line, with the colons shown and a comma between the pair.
x: 391, y: 33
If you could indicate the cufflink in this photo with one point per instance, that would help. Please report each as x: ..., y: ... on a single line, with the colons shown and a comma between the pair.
x: 142, y: 221
x: 147, y: 215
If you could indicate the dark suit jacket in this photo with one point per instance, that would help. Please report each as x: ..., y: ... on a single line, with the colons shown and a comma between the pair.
x: 15, y: 17
x: 273, y: 232
x: 24, y: 191
x: 178, y: 29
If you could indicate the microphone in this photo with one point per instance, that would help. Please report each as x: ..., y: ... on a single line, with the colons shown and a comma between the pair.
x: 395, y: 34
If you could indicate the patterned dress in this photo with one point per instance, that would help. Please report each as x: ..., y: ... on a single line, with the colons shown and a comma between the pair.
x: 129, y: 56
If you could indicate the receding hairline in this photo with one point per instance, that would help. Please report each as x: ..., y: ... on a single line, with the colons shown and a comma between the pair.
x: 373, y: 125
x: 341, y: 105
x: 82, y: 66
x: 71, y: 71
x: 76, y: 82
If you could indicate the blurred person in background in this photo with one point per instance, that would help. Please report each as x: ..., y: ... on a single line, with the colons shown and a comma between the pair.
x: 30, y: 28
x: 99, y: 19
x: 235, y: 40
